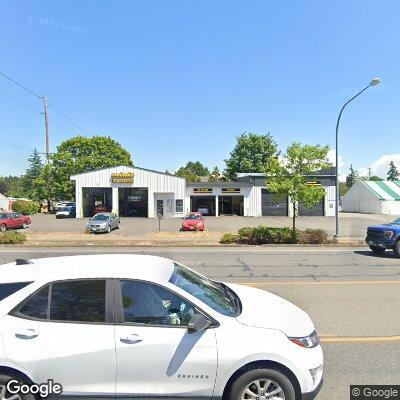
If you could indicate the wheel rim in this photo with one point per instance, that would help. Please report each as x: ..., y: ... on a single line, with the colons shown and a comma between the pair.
x: 263, y: 389
x: 4, y: 395
x: 3, y: 228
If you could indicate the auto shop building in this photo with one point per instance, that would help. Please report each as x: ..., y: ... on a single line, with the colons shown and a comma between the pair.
x: 140, y: 192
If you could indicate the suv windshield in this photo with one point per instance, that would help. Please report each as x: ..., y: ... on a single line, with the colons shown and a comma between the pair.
x: 216, y: 295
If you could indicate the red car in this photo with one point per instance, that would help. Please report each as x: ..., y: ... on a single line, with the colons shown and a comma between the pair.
x: 13, y: 220
x: 193, y: 222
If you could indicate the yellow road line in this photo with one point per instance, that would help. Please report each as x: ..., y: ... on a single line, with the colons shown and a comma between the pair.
x: 362, y: 339
x: 255, y: 284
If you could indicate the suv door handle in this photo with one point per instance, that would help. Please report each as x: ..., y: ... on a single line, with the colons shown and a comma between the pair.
x: 27, y: 334
x: 131, y: 339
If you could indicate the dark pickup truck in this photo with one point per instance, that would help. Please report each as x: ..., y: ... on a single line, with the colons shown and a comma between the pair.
x: 382, y: 237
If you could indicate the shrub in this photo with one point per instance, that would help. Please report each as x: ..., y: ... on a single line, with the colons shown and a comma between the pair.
x: 228, y: 238
x: 313, y: 236
x: 26, y: 207
x: 244, y: 234
x: 12, y: 237
x: 267, y: 235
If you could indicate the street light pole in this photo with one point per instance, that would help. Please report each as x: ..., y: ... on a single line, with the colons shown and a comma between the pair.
x: 374, y: 82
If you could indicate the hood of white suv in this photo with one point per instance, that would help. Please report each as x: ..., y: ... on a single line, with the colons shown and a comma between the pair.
x: 262, y: 309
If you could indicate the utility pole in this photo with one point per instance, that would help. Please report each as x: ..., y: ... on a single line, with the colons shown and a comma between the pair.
x: 46, y: 124
x: 369, y: 172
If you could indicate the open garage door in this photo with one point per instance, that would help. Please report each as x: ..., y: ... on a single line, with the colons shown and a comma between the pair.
x: 314, y: 211
x: 273, y: 205
x: 203, y: 204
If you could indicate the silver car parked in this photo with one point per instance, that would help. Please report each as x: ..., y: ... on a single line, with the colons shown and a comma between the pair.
x: 103, y: 222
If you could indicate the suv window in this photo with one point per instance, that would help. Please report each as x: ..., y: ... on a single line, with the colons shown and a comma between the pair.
x: 146, y: 303
x: 78, y: 301
x: 7, y: 289
x: 37, y: 305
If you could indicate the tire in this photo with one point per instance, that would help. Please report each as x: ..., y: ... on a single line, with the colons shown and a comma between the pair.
x: 24, y: 225
x: 377, y: 250
x: 397, y: 249
x: 109, y: 229
x: 3, y: 228
x: 3, y: 382
x: 279, y: 384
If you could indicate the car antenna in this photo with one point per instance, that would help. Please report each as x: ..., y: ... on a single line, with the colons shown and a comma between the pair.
x: 22, y: 261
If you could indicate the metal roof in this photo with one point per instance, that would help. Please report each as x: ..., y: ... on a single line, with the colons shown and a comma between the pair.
x: 220, y: 184
x: 384, y: 190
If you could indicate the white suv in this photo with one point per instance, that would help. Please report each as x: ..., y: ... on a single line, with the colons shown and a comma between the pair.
x: 140, y: 327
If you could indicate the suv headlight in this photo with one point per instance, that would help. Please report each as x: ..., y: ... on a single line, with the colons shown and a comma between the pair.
x: 309, y: 341
x: 388, y: 234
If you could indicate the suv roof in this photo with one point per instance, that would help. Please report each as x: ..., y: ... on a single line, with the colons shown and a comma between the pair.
x: 151, y: 268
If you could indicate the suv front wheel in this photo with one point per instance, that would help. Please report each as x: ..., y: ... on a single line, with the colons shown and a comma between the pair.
x: 263, y: 383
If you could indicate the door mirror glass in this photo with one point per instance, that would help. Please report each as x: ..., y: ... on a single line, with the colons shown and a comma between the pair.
x: 197, y: 323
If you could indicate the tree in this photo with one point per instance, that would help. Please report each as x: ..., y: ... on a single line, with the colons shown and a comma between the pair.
x: 215, y: 175
x: 3, y: 186
x: 351, y: 177
x: 34, y: 170
x: 83, y: 154
x: 289, y: 175
x: 393, y: 173
x: 343, y: 189
x: 375, y: 178
x: 251, y: 154
x: 192, y: 171
x: 14, y: 186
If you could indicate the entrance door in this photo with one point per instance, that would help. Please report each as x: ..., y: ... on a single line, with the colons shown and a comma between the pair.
x: 69, y: 341
x: 156, y: 355
x: 160, y: 207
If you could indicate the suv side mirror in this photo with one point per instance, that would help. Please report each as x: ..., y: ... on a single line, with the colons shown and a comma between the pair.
x: 197, y: 323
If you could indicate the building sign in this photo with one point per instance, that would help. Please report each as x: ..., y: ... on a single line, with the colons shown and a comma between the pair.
x: 202, y: 190
x: 314, y: 183
x: 230, y: 190
x: 122, y: 177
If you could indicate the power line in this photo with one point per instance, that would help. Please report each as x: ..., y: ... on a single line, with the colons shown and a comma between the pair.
x: 66, y: 116
x: 18, y: 102
x: 20, y: 85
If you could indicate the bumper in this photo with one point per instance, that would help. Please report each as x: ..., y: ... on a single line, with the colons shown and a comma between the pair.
x: 96, y: 230
x: 312, y: 395
x: 378, y: 242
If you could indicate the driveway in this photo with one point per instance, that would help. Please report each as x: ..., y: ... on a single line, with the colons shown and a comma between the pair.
x: 352, y: 225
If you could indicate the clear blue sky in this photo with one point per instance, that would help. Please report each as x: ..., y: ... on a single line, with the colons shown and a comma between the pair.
x: 174, y: 81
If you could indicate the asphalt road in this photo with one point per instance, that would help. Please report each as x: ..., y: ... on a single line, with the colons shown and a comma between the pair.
x: 352, y: 297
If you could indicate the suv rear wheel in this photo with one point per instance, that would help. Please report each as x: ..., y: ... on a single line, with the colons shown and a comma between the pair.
x: 262, y: 384
x: 5, y: 395
x: 377, y: 250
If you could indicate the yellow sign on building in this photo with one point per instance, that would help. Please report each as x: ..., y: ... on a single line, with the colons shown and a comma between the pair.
x: 122, y: 177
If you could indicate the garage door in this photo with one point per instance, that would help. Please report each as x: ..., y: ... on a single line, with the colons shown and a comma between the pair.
x: 271, y: 205
x: 314, y: 211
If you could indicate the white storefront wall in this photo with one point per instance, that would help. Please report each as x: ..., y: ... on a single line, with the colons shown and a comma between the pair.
x: 160, y: 187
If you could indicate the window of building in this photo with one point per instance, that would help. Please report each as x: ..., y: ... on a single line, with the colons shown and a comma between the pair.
x: 179, y: 205
x: 78, y: 301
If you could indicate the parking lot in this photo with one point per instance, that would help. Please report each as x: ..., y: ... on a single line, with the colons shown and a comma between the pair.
x: 352, y: 225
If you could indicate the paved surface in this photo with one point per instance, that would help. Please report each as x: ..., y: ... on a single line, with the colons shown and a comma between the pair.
x: 352, y: 225
x: 352, y: 297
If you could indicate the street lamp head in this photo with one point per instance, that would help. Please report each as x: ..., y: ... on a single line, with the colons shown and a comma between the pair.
x: 375, y: 81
